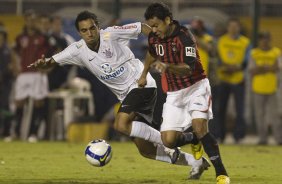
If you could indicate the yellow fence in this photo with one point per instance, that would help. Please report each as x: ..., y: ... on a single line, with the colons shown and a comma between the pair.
x: 271, y: 24
x: 13, y: 24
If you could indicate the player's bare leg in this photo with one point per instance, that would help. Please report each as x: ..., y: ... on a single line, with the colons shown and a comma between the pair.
x: 172, y: 138
x: 200, y: 127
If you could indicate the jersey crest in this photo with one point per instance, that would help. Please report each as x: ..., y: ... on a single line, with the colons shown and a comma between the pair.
x: 108, y: 53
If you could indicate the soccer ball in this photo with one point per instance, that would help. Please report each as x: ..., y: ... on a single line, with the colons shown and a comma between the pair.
x: 98, y: 152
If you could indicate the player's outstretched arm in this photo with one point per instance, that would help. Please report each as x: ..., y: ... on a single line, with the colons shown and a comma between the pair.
x: 148, y: 61
x: 145, y: 29
x: 43, y: 63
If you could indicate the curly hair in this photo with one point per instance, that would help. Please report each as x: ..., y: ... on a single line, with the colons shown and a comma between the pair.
x: 84, y: 16
x: 159, y: 10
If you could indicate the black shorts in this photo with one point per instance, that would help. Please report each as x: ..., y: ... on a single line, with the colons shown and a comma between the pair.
x: 141, y: 101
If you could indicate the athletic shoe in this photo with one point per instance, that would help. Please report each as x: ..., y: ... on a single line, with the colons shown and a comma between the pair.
x: 32, y: 139
x: 196, y: 172
x: 173, y: 154
x: 197, y: 150
x: 222, y: 179
x: 8, y: 139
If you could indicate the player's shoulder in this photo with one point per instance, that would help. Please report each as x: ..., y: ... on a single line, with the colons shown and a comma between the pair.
x: 183, y: 31
x: 76, y: 47
x: 106, y: 34
x: 185, y: 35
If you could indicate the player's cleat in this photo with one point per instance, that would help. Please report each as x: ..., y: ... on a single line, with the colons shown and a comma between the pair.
x: 173, y: 154
x: 222, y: 179
x: 197, y: 150
x: 196, y: 172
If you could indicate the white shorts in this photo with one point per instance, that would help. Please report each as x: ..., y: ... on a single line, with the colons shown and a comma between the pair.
x: 186, y: 104
x: 33, y: 84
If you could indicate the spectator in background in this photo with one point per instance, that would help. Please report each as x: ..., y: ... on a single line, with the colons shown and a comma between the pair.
x: 264, y: 65
x: 233, y: 50
x: 43, y: 24
x: 30, y: 45
x: 57, y: 29
x: 8, y: 71
x: 58, y: 40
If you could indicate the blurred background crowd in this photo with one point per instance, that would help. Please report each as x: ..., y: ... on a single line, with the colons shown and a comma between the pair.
x: 239, y: 43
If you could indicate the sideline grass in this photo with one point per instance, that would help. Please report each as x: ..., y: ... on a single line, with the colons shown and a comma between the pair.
x: 59, y: 162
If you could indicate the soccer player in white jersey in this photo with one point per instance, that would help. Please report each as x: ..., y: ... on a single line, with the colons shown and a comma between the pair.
x: 105, y: 53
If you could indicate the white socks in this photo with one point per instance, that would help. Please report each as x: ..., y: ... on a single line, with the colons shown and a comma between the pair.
x: 144, y: 131
x: 162, y: 155
x: 188, y: 159
x: 183, y: 159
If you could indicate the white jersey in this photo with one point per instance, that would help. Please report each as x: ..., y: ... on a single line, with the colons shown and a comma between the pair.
x: 114, y: 64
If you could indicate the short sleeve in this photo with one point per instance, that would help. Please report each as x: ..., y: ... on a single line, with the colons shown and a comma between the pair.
x: 69, y: 55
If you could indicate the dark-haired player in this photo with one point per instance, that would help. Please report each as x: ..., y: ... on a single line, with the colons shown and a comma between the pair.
x: 173, y: 52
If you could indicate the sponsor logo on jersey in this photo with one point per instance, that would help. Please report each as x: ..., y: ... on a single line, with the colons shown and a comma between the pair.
x: 118, y: 72
x: 126, y: 27
x: 190, y: 51
x: 107, y: 68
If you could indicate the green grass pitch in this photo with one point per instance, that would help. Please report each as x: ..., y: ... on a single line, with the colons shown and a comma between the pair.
x: 60, y: 162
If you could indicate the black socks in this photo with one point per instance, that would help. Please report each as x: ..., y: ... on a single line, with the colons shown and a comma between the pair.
x: 187, y: 138
x: 211, y: 148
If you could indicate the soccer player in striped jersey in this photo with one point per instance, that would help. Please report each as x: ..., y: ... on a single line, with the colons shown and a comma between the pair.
x: 106, y: 54
x: 173, y: 52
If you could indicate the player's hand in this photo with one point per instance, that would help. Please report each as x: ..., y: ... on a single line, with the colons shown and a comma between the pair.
x: 159, y: 66
x: 40, y: 63
x: 142, y: 82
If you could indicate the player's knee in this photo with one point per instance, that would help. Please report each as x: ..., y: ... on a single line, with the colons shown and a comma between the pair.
x: 200, y: 127
x: 169, y: 142
x: 120, y: 127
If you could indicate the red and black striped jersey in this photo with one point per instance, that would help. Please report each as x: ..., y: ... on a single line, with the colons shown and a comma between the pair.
x: 179, y: 47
